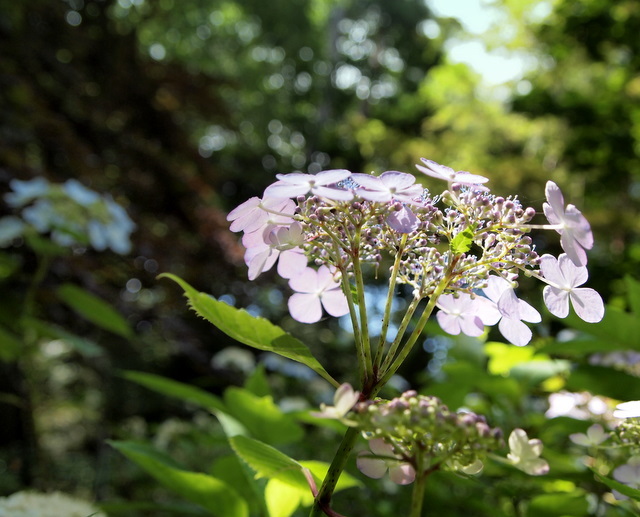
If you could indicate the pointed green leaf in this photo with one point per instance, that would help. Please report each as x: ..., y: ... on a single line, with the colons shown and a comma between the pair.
x: 252, y: 331
x: 462, y: 242
x: 257, y: 383
x: 209, y: 492
x: 264, y: 420
x: 633, y: 493
x: 268, y: 462
x: 562, y: 504
x: 94, y: 309
x: 176, y: 389
x: 281, y: 498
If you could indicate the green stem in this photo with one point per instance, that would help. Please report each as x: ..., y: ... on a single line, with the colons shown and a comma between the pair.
x: 417, y: 496
x: 357, y: 337
x: 322, y: 502
x: 364, y: 326
x: 387, y: 309
x: 400, y: 334
x: 415, y: 334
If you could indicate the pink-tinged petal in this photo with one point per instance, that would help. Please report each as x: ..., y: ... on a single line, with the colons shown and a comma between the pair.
x: 345, y: 398
x: 536, y: 467
x: 326, y: 279
x: 402, y: 474
x: 574, y: 275
x: 368, y: 181
x: 551, y: 270
x: 403, y: 221
x: 471, y: 325
x: 556, y: 300
x: 495, y: 287
x: 435, y: 170
x: 515, y: 331
x: 509, y: 304
x: 580, y: 227
x: 247, y: 207
x: 588, y: 304
x: 292, y: 262
x: 528, y: 312
x: 283, y: 189
x: 256, y: 239
x: 333, y: 193
x: 449, y: 323
x: 381, y: 448
x: 573, y: 249
x: 335, y: 302
x: 305, y: 282
x: 554, y: 197
x: 397, y: 180
x: 487, y: 311
x: 379, y: 196
x: 369, y: 466
x: 551, y: 214
x: 305, y: 308
x: 331, y: 176
x: 261, y: 262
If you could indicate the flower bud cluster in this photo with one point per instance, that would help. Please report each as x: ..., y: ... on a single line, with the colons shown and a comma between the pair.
x: 421, y: 425
x: 628, y: 432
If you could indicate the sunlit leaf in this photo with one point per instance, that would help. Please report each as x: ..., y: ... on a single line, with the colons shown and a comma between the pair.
x: 561, y: 504
x: 264, y: 419
x: 252, y: 331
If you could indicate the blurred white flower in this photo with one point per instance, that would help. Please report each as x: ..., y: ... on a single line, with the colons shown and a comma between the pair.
x: 628, y: 409
x: 525, y: 453
x: 594, y: 436
x: 56, y: 504
x: 344, y: 399
x: 628, y: 474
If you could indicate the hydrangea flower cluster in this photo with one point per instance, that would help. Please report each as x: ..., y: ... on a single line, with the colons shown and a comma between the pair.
x: 463, y: 249
x: 70, y: 212
x: 418, y: 434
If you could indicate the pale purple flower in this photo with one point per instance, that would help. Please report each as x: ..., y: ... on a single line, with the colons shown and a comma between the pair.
x: 508, y: 311
x: 442, y: 172
x: 375, y: 464
x: 314, y: 290
x: 575, y: 231
x: 388, y: 186
x: 403, y: 220
x: 628, y: 474
x: 299, y: 184
x: 524, y: 454
x: 264, y: 248
x: 344, y: 399
x: 459, y: 315
x: 565, y: 277
x: 628, y: 410
x: 594, y: 436
x: 255, y: 214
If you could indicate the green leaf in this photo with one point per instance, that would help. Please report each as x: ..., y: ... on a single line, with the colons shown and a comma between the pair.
x: 601, y: 380
x: 257, y: 383
x: 10, y: 346
x: 176, y: 389
x: 125, y: 508
x: 619, y: 329
x: 209, y: 492
x: 462, y: 242
x: 94, y: 309
x: 82, y: 345
x: 268, y: 462
x: 618, y: 487
x: 282, y: 499
x: 262, y: 418
x: 559, y: 504
x: 252, y: 331
x: 236, y: 474
x: 633, y: 288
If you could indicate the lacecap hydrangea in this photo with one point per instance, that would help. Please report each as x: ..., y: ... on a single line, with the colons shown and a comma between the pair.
x: 464, y: 246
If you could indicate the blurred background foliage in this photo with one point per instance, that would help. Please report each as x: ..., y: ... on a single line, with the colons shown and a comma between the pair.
x: 182, y: 109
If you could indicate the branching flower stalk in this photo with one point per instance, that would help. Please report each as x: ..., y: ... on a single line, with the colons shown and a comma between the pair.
x: 460, y: 252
